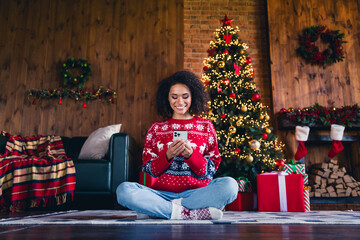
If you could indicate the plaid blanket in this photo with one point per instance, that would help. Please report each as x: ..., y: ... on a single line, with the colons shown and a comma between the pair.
x: 35, y: 170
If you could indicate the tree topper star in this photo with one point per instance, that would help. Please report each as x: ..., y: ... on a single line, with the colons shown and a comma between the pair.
x: 226, y: 21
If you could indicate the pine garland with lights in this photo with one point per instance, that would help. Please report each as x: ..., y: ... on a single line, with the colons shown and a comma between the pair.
x: 79, y: 94
x: 246, y: 142
x: 321, y: 116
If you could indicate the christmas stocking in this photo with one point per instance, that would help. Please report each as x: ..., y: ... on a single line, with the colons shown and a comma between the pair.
x: 336, y: 134
x: 301, y: 135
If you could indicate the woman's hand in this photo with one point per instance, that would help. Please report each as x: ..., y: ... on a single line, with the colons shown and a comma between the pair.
x: 187, y: 151
x: 177, y: 147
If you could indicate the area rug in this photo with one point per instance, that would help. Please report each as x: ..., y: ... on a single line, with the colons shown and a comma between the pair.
x: 123, y: 217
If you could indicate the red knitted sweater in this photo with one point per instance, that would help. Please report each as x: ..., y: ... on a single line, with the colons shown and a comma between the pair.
x: 181, y: 174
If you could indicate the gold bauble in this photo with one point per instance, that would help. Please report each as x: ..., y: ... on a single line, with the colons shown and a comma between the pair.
x: 249, y: 158
x: 267, y: 117
x: 239, y: 122
x: 241, y: 51
x: 254, y: 144
x: 232, y: 140
x: 232, y: 129
x: 268, y: 130
x: 243, y: 108
x: 261, y: 117
x: 221, y: 102
x: 221, y: 64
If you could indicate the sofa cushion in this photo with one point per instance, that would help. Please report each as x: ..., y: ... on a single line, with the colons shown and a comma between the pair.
x: 93, y: 175
x: 96, y: 145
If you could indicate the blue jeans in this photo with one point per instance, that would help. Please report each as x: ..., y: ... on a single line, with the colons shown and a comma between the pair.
x: 218, y: 193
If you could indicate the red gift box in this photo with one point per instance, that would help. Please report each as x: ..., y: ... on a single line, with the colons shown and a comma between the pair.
x: 146, y: 180
x: 280, y: 192
x: 245, y: 201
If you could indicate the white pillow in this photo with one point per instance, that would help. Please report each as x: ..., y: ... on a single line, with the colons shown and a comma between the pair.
x: 96, y: 145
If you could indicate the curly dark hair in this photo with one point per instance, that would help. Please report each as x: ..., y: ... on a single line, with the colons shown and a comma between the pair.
x: 199, y: 95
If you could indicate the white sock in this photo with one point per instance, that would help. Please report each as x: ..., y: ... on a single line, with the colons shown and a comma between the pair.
x: 210, y: 213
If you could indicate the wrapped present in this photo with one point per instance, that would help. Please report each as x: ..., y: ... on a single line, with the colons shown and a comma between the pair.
x: 280, y: 191
x: 299, y: 168
x: 244, y: 184
x: 245, y: 201
x: 146, y: 180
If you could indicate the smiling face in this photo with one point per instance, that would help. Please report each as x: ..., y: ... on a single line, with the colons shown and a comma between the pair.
x: 180, y: 101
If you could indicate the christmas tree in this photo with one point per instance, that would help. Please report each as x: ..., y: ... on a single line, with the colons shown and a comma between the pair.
x: 246, y: 142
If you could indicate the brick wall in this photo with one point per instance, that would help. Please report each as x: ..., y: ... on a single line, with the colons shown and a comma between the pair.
x: 201, y: 19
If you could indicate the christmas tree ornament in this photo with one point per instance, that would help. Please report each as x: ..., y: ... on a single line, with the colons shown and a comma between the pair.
x: 207, y: 82
x: 242, y: 52
x: 226, y: 21
x: 280, y: 164
x: 232, y: 95
x: 267, y: 117
x: 221, y: 64
x: 301, y: 135
x: 239, y: 122
x: 252, y: 72
x: 336, y: 134
x: 283, y: 110
x: 290, y: 110
x: 243, y: 108
x: 205, y: 68
x: 261, y: 117
x: 211, y: 51
x: 248, y: 60
x: 226, y: 81
x: 221, y: 103
x: 264, y: 136
x: 254, y: 144
x: 60, y: 101
x: 220, y: 91
x: 225, y: 52
x: 249, y: 158
x: 227, y: 38
x: 223, y: 115
x: 237, y: 69
x: 237, y: 150
x: 232, y: 129
x: 268, y: 130
x: 84, y: 105
x: 255, y: 97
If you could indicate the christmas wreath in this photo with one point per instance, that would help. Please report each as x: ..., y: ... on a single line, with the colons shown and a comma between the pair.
x: 81, y: 66
x: 311, y: 53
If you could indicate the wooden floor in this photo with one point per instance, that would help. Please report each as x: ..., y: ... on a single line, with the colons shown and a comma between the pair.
x: 189, y: 232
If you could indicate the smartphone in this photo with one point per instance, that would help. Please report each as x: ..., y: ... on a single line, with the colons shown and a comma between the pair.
x: 180, y: 135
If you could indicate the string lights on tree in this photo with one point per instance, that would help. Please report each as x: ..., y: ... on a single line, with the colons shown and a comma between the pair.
x: 246, y: 143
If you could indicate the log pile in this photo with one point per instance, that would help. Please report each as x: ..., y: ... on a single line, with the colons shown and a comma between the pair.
x: 329, y: 180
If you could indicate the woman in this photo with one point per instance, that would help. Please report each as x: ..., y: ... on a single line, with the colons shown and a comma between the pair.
x: 185, y: 188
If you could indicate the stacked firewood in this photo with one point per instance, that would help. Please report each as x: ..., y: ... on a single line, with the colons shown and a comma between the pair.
x: 329, y: 180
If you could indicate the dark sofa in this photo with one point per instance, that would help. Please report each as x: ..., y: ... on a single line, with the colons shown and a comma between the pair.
x: 102, y: 176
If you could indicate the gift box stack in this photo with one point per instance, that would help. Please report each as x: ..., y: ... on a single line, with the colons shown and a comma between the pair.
x: 299, y: 168
x: 285, y: 190
x: 246, y: 199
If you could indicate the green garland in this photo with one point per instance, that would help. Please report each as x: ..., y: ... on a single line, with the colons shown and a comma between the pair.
x: 75, y: 81
x: 311, y: 53
x: 79, y: 94
x: 317, y: 115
